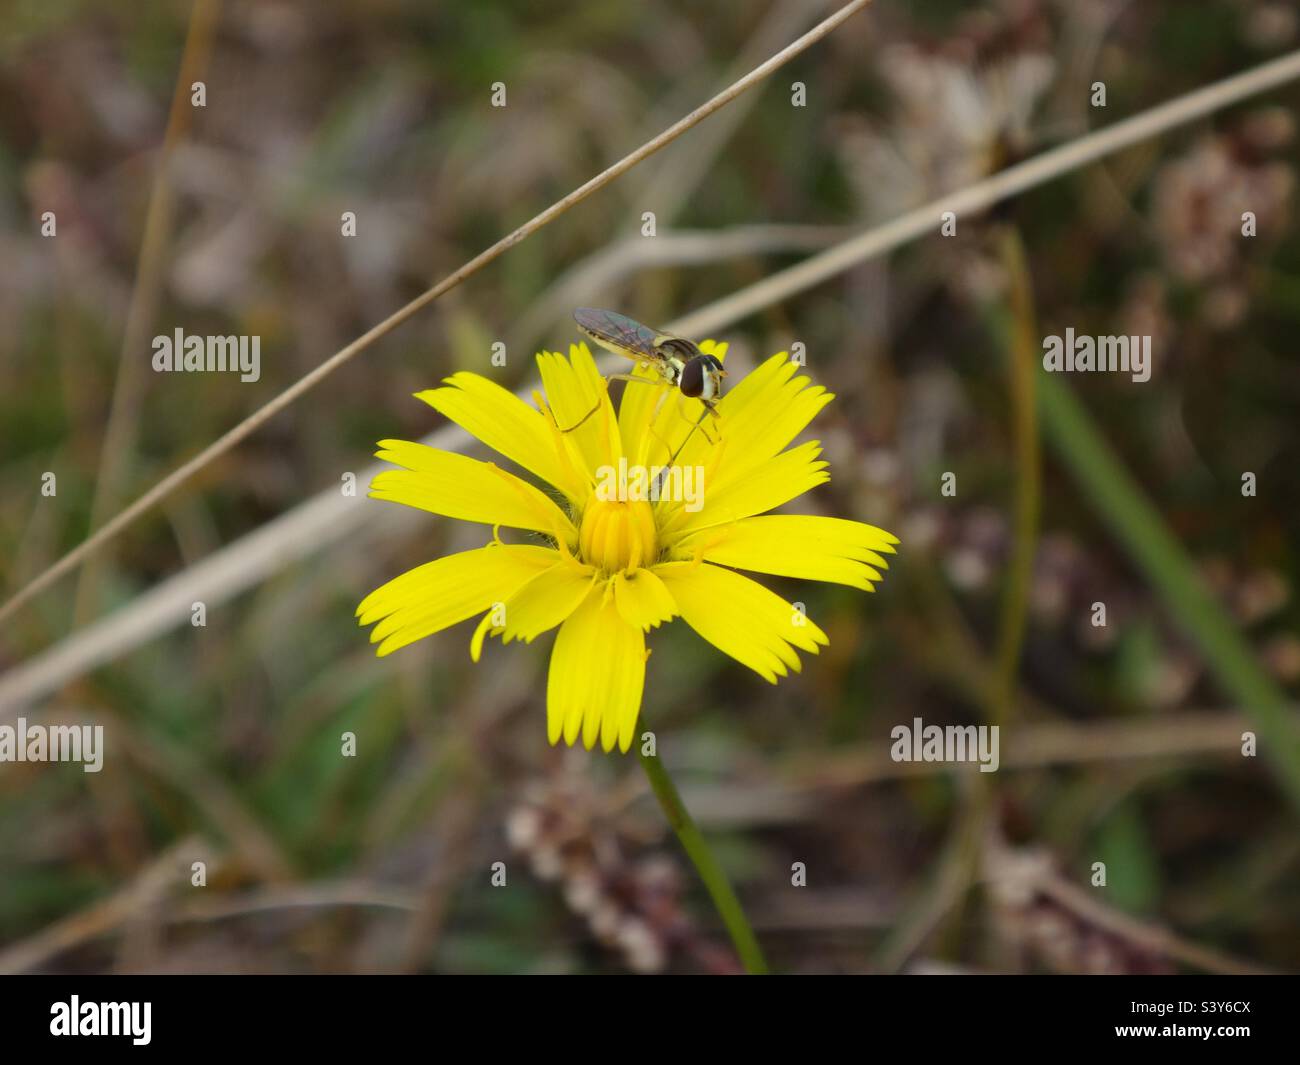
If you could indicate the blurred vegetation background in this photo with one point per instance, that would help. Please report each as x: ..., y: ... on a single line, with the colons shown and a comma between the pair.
x: 1121, y: 743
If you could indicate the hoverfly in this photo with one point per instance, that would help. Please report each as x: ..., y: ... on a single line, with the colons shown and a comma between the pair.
x: 678, y: 363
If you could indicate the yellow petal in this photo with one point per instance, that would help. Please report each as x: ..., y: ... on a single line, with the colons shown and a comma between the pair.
x: 716, y: 348
x: 795, y: 545
x: 574, y: 390
x: 741, y: 618
x: 485, y: 626
x: 776, y: 481
x: 596, y: 677
x: 547, y: 600
x: 444, y: 592
x: 458, y: 486
x: 642, y: 600
x: 635, y: 408
x: 506, y: 424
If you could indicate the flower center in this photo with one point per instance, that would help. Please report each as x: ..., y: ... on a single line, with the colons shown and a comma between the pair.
x: 618, y: 536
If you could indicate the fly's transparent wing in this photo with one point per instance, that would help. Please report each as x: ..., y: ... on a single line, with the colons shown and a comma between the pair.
x: 618, y: 333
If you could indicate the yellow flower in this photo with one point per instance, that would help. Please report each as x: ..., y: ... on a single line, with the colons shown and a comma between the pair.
x: 607, y: 566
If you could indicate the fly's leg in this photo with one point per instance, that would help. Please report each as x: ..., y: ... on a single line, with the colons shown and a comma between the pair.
x: 709, y: 408
x: 581, y: 421
x: 612, y: 377
x: 654, y: 417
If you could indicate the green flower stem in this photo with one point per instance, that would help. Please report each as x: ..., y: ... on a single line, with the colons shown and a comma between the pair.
x: 724, y: 898
x: 1021, y: 338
